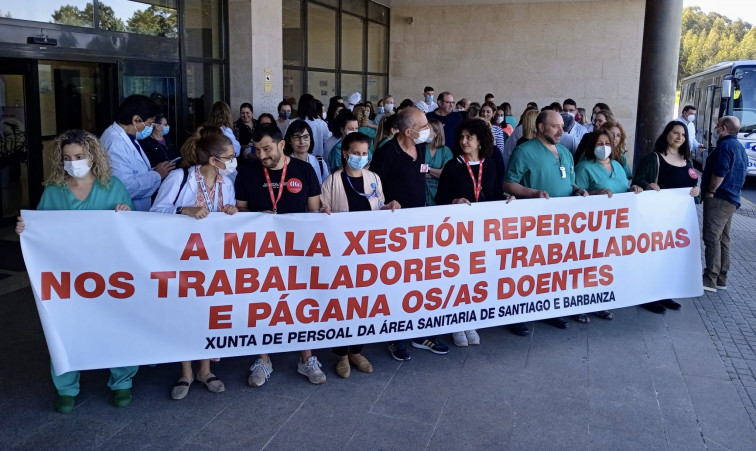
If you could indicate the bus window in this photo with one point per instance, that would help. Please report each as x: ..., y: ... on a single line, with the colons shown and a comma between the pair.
x: 744, y: 99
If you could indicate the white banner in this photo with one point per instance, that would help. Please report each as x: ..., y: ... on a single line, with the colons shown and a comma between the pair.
x: 131, y: 288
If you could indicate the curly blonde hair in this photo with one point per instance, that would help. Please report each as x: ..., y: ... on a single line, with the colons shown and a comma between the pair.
x: 362, y: 113
x: 92, y: 148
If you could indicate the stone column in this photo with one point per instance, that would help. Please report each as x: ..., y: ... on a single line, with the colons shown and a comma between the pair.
x: 255, y: 54
x: 658, y: 75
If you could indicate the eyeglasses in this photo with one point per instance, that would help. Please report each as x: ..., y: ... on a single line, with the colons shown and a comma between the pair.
x: 300, y: 138
x: 226, y: 159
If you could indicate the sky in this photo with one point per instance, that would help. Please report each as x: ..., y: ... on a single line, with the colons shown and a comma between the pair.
x: 733, y: 9
x: 40, y: 10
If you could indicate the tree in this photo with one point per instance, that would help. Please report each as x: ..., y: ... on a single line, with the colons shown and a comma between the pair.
x: 155, y: 21
x: 72, y: 15
x: 708, y: 39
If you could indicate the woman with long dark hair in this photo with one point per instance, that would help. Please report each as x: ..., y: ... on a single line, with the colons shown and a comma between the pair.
x: 308, y: 112
x: 668, y: 166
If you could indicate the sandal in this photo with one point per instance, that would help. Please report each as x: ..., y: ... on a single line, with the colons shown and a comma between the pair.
x: 212, y: 383
x: 181, y: 388
x: 604, y: 314
x: 582, y: 318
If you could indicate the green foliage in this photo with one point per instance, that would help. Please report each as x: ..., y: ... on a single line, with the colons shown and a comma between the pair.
x: 708, y: 39
x: 155, y: 20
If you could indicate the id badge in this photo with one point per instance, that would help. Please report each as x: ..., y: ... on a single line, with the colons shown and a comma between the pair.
x: 564, y: 173
x: 424, y: 168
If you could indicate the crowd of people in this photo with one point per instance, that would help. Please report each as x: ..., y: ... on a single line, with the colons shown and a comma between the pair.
x: 349, y: 157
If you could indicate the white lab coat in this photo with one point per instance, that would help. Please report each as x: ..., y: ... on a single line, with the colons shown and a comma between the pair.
x: 234, y: 142
x: 129, y: 163
x: 169, y: 191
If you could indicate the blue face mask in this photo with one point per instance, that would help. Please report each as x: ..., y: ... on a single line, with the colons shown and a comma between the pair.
x: 429, y: 98
x: 380, y: 110
x: 357, y: 162
x: 147, y: 131
x: 166, y: 129
x: 284, y: 114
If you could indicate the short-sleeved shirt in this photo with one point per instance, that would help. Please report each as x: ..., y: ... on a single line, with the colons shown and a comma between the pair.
x: 592, y: 176
x: 400, y: 174
x: 451, y: 121
x: 301, y: 183
x: 57, y: 197
x: 532, y: 165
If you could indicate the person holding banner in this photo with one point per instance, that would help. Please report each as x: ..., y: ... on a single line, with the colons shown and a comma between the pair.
x: 668, y: 166
x: 463, y: 180
x: 601, y: 172
x: 542, y: 168
x: 80, y: 179
x: 278, y: 184
x: 402, y: 167
x: 353, y: 188
x: 202, y: 186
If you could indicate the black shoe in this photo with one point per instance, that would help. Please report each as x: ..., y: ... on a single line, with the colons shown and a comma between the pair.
x: 670, y: 304
x: 399, y: 351
x: 519, y: 329
x: 559, y: 323
x: 430, y: 344
x: 654, y: 307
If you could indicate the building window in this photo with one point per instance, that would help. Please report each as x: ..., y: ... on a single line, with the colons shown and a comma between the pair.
x: 204, y: 42
x: 149, y: 17
x: 333, y: 47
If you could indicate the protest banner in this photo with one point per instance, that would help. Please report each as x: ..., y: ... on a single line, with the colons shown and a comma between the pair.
x: 130, y: 288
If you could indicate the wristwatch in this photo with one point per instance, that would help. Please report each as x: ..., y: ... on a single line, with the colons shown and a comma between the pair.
x: 179, y: 210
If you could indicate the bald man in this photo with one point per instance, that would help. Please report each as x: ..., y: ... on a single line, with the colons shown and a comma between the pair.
x: 542, y: 168
x: 723, y: 177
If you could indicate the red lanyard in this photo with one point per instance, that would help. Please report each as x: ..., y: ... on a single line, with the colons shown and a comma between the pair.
x: 476, y: 187
x: 274, y: 200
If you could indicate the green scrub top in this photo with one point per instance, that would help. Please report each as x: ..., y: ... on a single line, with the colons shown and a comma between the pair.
x: 532, y: 165
x: 57, y: 197
x: 592, y: 176
x: 440, y: 158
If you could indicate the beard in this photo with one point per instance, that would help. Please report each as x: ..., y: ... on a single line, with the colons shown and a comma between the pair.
x: 550, y: 139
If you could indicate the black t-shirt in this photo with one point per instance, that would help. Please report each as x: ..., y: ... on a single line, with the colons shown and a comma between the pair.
x: 676, y: 177
x: 455, y: 182
x: 301, y: 183
x: 400, y: 174
x: 356, y: 201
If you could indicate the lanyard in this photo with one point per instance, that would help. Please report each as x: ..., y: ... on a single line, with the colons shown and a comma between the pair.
x: 210, y: 205
x: 367, y: 196
x: 273, y: 199
x: 476, y: 187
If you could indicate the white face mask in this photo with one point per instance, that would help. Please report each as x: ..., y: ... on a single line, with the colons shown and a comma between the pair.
x: 571, y: 113
x: 77, y: 168
x: 499, y: 119
x: 424, y: 135
x: 230, y: 168
x: 691, y: 117
x: 389, y: 107
x: 602, y: 152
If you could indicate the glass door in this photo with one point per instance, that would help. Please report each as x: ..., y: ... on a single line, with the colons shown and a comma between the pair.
x: 19, y: 185
x: 159, y: 82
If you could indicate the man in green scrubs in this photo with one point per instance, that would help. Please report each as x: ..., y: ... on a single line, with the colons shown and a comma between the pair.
x: 542, y: 168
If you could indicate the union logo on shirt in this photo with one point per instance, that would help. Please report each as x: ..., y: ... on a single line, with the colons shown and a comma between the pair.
x: 692, y: 173
x: 294, y: 185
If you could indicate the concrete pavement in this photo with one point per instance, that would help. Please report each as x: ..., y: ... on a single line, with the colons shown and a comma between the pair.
x: 682, y: 380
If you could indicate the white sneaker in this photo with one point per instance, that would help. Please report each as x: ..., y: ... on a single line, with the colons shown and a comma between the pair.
x: 311, y: 369
x: 259, y: 372
x: 472, y: 337
x: 460, y: 339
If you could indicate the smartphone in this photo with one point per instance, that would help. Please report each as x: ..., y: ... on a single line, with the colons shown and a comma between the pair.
x: 176, y: 160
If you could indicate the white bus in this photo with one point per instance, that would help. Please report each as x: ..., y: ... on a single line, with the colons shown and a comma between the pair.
x: 725, y: 89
